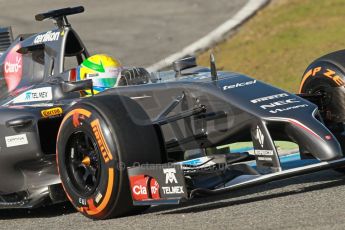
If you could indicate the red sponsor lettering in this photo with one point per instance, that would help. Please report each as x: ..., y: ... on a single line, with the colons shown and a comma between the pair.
x: 139, y: 187
x: 13, y: 68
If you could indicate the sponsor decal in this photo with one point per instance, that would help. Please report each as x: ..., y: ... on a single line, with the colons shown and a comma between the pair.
x: 240, y: 84
x: 170, y: 175
x: 96, y: 128
x: 13, y: 68
x: 173, y: 190
x: 139, y: 187
x: 260, y: 136
x: 288, y: 108
x: 47, y: 37
x: 16, y: 140
x: 98, y: 197
x: 279, y: 103
x: 328, y: 73
x: 170, y: 178
x: 139, y: 190
x: 51, y: 112
x: 263, y: 152
x: 154, y: 187
x: 38, y: 94
x: 332, y: 75
x: 265, y: 159
x: 267, y: 98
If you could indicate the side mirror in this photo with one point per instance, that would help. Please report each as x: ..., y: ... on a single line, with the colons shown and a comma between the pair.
x: 72, y: 86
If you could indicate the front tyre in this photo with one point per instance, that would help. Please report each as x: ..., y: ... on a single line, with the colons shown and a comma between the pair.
x: 98, y: 139
x: 326, y: 76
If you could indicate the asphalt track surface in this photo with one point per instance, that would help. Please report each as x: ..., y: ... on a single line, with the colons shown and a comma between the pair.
x: 314, y: 201
x: 140, y: 35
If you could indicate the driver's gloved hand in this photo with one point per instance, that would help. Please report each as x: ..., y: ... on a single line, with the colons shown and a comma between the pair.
x: 134, y: 76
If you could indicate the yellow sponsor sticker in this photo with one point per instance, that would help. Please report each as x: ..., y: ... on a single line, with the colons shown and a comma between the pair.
x: 51, y: 112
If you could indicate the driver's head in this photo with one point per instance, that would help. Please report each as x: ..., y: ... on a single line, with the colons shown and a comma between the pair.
x: 102, y: 69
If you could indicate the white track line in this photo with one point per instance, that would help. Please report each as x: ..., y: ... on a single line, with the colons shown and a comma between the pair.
x: 214, y: 36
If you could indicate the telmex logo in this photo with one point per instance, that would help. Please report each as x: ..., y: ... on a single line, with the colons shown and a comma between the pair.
x: 51, y: 112
x: 271, y: 97
x: 38, y: 94
x: 279, y: 103
x: 170, y: 175
x: 237, y: 85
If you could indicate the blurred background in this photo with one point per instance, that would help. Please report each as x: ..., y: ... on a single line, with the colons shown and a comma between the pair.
x: 137, y: 32
x: 278, y: 44
x: 274, y: 46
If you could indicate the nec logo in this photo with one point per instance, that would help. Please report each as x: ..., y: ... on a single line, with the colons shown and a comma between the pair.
x: 170, y: 175
x: 279, y: 103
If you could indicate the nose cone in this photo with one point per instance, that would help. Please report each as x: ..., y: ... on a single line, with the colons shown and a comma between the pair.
x: 314, y: 137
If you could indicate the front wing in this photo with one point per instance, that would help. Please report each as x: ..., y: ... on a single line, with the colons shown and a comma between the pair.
x: 166, y: 184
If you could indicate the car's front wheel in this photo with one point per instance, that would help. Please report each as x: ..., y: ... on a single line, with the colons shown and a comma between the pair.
x: 98, y: 139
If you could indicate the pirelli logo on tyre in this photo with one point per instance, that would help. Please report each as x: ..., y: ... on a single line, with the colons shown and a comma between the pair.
x: 96, y: 128
x: 51, y: 112
x: 324, y: 72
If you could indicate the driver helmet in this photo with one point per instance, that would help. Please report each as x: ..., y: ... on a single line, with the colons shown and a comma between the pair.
x: 102, y: 69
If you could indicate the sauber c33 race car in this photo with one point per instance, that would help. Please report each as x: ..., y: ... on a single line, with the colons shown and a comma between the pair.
x: 158, y: 138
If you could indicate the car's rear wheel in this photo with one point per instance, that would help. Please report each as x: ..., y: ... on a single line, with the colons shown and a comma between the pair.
x: 98, y: 139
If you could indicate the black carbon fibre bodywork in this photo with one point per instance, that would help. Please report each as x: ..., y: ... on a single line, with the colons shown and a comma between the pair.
x: 240, y: 114
x: 190, y: 111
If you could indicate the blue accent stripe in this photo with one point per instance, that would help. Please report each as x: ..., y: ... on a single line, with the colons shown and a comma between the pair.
x: 244, y: 149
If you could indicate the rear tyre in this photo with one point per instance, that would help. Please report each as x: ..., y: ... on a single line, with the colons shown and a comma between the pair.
x: 98, y: 139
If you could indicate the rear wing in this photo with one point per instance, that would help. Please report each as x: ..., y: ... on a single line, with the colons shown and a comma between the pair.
x: 6, y: 38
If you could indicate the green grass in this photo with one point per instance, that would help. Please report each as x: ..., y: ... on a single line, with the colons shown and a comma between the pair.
x: 286, y: 145
x: 281, y: 40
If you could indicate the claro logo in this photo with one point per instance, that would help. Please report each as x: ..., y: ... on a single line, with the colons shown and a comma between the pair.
x: 279, y: 103
x: 13, y: 68
x: 139, y: 190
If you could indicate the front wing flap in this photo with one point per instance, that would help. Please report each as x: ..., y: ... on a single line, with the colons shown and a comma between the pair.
x: 157, y: 184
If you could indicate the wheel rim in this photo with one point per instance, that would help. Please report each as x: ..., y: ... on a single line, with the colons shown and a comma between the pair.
x: 83, y: 162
